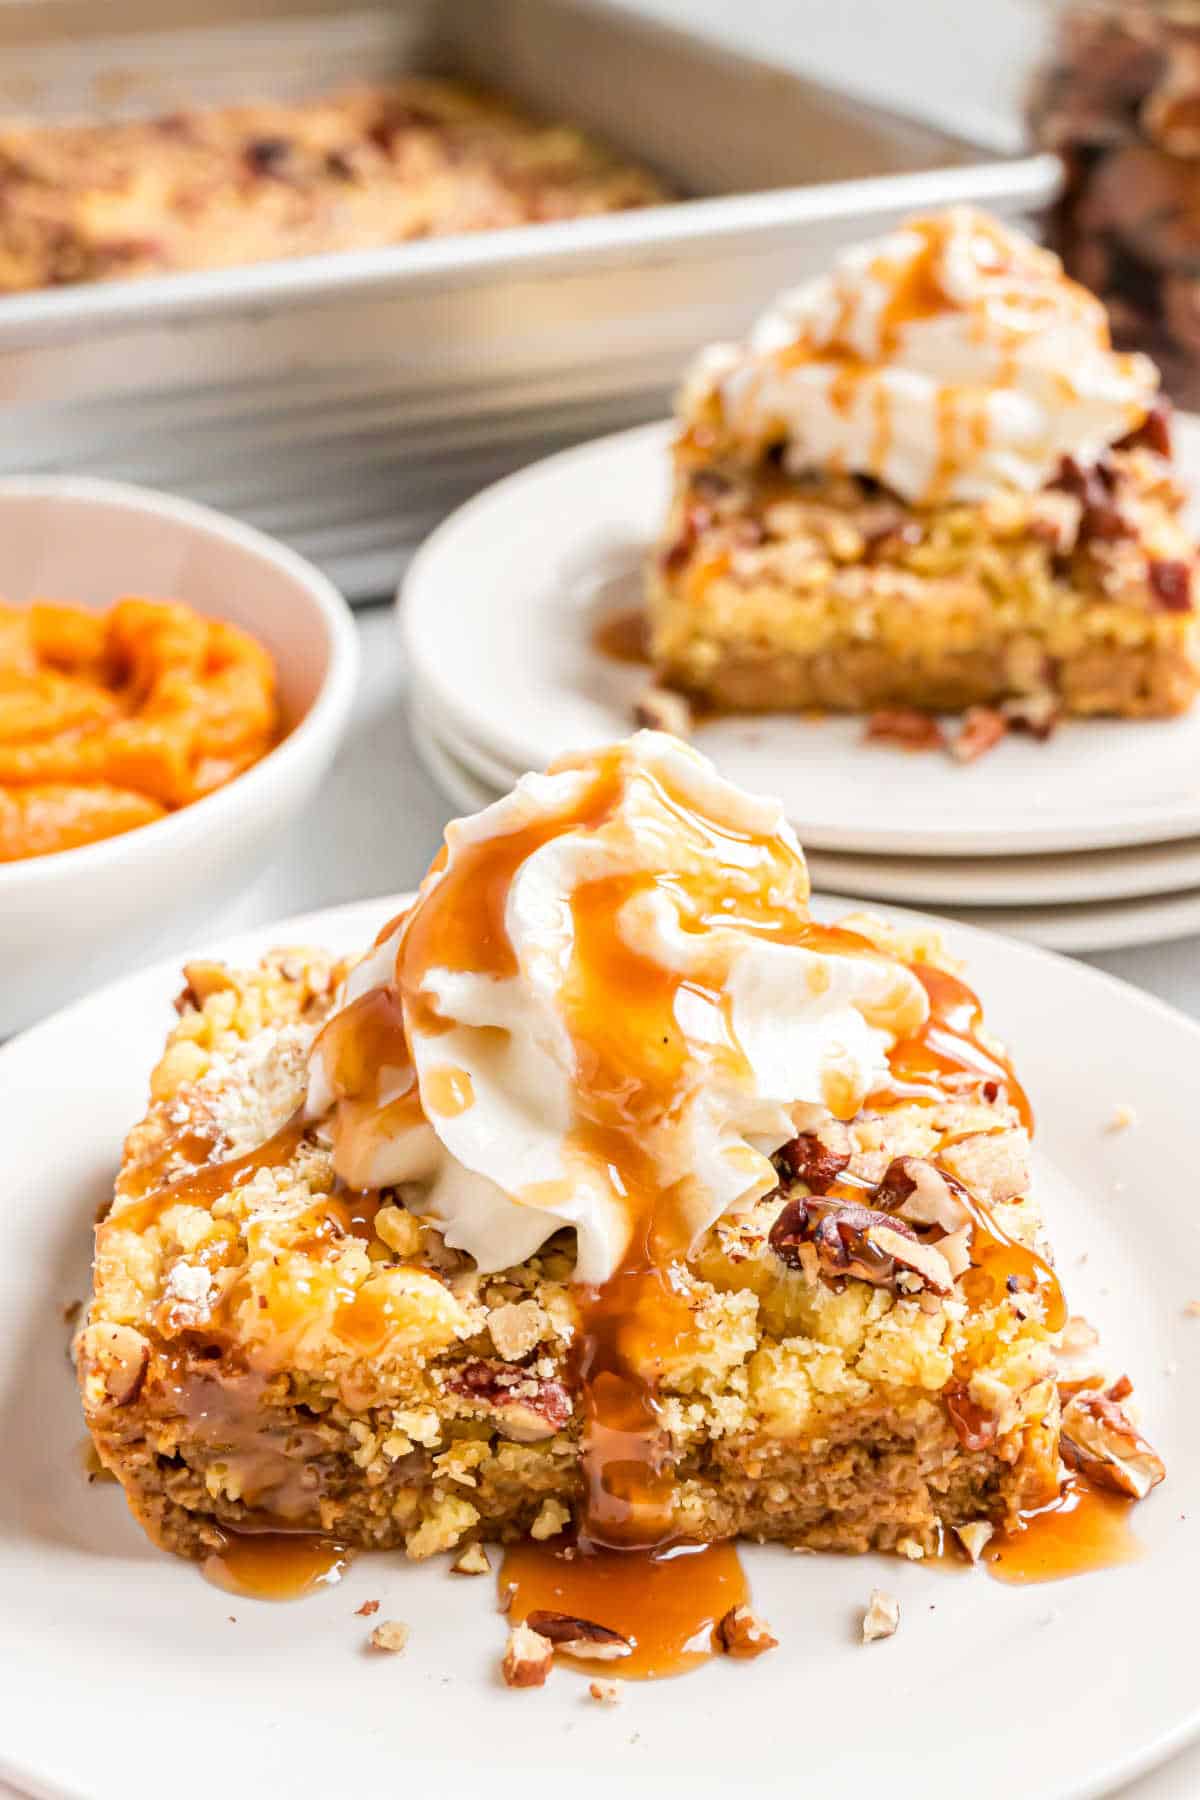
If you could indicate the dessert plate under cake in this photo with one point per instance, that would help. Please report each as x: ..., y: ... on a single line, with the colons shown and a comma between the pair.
x: 500, y: 611
x: 1118, y: 1205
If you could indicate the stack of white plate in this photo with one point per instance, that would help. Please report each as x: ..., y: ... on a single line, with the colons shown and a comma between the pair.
x: 1085, y: 842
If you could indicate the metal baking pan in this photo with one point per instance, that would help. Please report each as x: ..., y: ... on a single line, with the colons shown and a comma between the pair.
x: 348, y: 401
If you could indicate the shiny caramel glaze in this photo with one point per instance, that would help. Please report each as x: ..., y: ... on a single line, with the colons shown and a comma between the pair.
x: 623, y: 637
x: 666, y: 1602
x: 275, y: 1565
x: 207, y: 1182
x: 1083, y: 1529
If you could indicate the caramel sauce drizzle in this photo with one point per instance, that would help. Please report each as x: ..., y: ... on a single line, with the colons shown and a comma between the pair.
x: 623, y: 637
x: 275, y: 1565
x: 665, y: 1602
x: 1019, y: 297
x: 1082, y: 1529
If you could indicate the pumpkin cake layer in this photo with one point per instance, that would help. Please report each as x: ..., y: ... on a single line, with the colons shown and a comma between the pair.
x: 772, y: 593
x: 266, y: 1349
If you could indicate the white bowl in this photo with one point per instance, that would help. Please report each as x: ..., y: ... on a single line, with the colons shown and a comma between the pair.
x: 71, y: 920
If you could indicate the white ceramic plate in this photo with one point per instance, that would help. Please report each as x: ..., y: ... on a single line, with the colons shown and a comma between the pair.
x: 1086, y: 876
x: 1079, y: 928
x: 500, y: 603
x: 125, y: 1671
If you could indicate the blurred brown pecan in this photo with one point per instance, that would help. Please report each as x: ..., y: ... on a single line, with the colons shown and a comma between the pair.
x: 1038, y: 714
x: 696, y: 520
x: 1170, y: 113
x: 1147, y: 201
x: 662, y: 709
x: 1154, y: 432
x: 905, y: 726
x: 1171, y: 585
x: 981, y: 730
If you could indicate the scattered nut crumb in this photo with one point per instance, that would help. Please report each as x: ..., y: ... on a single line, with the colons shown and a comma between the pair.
x: 390, y: 1636
x: 974, y: 1537
x: 472, y: 1559
x: 1192, y: 1309
x: 661, y: 709
x: 578, y: 1637
x: 911, y: 1548
x: 743, y: 1634
x: 527, y: 1658
x: 881, y: 1617
x: 366, y: 1609
x: 608, y: 1693
x: 905, y: 727
x: 1122, y: 1118
x: 550, y: 1520
x: 981, y: 730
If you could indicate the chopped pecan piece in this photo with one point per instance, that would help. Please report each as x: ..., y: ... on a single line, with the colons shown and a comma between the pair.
x: 1095, y: 487
x: 1171, y: 584
x: 975, y: 1537
x: 696, y: 521
x: 974, y: 1428
x: 268, y: 155
x: 741, y: 1633
x: 1101, y: 1442
x: 472, y: 1559
x: 1038, y: 714
x: 528, y: 1658
x: 390, y: 1636
x: 818, y: 1157
x: 662, y: 709
x: 905, y: 726
x: 116, y: 1357
x: 922, y: 1194
x: 836, y: 1240
x: 881, y: 1617
x: 579, y: 1637
x: 527, y: 1407
x: 1154, y: 432
x: 981, y: 730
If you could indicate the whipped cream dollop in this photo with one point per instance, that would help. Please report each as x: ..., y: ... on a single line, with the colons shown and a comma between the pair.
x: 950, y: 359
x: 607, y: 1008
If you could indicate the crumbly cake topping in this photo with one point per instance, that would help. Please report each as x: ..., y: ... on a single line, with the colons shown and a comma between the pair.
x: 767, y: 1348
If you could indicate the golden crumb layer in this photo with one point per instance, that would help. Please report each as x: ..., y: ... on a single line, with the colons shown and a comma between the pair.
x: 267, y: 1350
x: 777, y: 593
x: 250, y: 183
